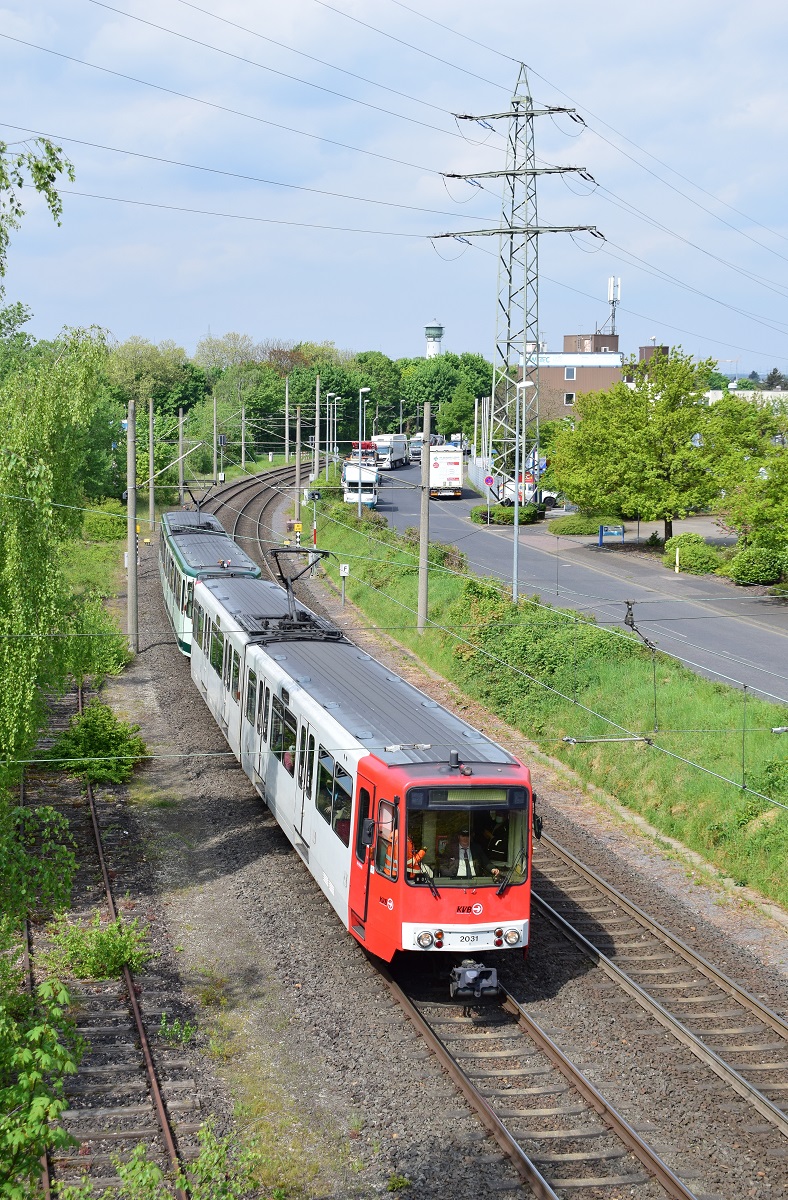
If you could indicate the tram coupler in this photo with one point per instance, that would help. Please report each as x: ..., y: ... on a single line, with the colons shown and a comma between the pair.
x: 472, y: 980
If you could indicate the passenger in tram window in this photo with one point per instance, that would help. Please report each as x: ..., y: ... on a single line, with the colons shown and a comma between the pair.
x: 496, y: 837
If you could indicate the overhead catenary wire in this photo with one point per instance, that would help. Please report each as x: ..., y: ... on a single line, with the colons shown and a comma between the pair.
x: 563, y: 613
x: 628, y: 733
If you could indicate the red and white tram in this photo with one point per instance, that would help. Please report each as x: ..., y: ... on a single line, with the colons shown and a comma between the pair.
x: 416, y: 826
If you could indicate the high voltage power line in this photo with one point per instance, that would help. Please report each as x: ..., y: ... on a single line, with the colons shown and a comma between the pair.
x: 618, y: 132
x: 172, y: 162
x: 274, y: 71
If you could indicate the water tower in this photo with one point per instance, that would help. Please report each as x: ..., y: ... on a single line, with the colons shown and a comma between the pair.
x: 433, y: 334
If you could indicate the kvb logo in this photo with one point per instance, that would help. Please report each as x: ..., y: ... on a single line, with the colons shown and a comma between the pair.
x: 468, y: 909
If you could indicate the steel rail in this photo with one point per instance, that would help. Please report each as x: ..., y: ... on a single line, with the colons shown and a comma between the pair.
x: 682, y: 949
x: 150, y: 1068
x: 27, y: 959
x: 528, y: 1171
x: 707, y: 1056
x: 673, y: 1186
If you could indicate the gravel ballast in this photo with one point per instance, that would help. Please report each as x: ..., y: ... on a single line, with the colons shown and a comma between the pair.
x: 303, y: 1040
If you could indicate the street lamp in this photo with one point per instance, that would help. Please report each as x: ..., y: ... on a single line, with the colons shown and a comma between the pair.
x: 521, y: 386
x: 361, y: 414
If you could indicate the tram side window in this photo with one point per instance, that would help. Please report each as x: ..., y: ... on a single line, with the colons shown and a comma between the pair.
x: 301, y: 756
x: 189, y: 598
x: 228, y: 659
x: 325, y: 784
x: 284, y: 733
x: 386, y: 848
x: 199, y: 624
x: 217, y: 650
x: 364, y: 802
x: 310, y: 765
x: 343, y: 797
x: 235, y: 688
x: 251, y: 696
x: 262, y: 709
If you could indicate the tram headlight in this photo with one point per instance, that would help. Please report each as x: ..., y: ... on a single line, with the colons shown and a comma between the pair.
x: 511, y: 937
x: 424, y: 939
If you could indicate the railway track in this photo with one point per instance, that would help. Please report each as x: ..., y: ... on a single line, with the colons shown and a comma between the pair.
x: 243, y: 505
x: 556, y: 1128
x: 131, y: 1088
x: 732, y: 1032
x: 562, y: 1135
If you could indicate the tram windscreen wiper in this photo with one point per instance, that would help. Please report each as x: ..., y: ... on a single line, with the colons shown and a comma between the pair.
x: 511, y: 871
x: 430, y: 882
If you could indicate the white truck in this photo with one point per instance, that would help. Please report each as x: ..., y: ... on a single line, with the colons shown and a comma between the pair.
x: 359, y: 477
x: 445, y: 471
x: 415, y: 447
x: 392, y: 450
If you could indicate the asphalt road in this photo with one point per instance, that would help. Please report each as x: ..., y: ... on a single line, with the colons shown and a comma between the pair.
x: 722, y: 631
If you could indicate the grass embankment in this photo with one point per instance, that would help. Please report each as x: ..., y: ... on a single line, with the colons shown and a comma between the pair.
x: 553, y: 673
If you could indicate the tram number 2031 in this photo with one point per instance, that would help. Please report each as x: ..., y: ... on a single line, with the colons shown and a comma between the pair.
x: 469, y: 937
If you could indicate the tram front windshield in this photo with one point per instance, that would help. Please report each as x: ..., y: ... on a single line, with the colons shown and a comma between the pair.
x: 467, y: 847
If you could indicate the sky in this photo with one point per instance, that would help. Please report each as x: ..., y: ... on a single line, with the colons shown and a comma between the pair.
x: 312, y: 138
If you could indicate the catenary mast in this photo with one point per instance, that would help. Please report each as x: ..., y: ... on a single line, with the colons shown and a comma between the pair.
x: 516, y: 357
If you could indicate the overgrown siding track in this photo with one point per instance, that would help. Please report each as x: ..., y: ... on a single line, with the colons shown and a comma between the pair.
x: 128, y: 1090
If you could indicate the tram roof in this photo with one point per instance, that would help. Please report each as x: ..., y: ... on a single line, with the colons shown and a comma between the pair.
x: 389, y: 716
x: 201, y: 543
x: 385, y: 713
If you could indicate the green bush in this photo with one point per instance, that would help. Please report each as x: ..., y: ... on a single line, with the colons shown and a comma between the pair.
x: 98, y: 951
x: 503, y: 514
x: 682, y: 540
x: 756, y: 565
x: 98, y: 746
x: 582, y: 523
x: 695, y: 557
x: 105, y: 523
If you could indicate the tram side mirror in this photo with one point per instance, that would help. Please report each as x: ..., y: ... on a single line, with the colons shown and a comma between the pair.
x: 368, y: 832
x: 537, y: 825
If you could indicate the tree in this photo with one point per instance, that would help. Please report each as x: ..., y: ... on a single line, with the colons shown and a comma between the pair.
x: 41, y: 167
x: 635, y: 448
x: 143, y: 370
x: 230, y: 350
x: 774, y: 381
x: 382, y: 375
x: 476, y: 372
x: 755, y: 500
x: 717, y: 382
x: 457, y: 414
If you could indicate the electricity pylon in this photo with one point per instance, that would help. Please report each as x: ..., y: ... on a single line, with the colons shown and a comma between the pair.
x: 513, y: 434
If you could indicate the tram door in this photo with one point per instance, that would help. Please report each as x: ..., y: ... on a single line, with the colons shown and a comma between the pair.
x: 362, y: 856
x: 305, y: 769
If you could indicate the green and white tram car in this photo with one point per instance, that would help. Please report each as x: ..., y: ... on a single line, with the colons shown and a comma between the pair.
x: 193, y: 546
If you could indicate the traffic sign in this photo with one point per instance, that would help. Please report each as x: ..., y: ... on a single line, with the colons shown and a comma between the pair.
x: 297, y: 527
x: 488, y: 481
x: 344, y: 569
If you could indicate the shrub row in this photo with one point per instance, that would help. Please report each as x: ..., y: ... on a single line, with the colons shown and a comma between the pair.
x: 503, y: 514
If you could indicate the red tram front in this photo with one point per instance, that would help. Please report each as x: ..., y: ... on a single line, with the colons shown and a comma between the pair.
x: 441, y: 857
